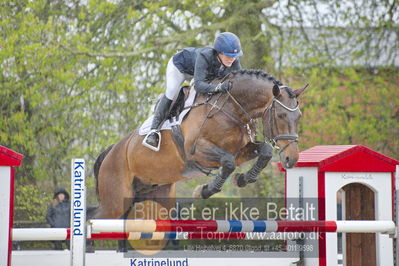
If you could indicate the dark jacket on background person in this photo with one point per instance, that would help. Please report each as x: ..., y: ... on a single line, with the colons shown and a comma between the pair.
x: 203, y: 63
x: 59, y: 215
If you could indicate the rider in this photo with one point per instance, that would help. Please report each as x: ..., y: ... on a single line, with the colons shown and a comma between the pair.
x: 204, y: 65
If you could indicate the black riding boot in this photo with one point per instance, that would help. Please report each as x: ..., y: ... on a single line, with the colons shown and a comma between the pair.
x: 152, y: 140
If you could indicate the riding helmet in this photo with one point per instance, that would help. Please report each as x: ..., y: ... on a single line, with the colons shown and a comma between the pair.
x: 227, y: 43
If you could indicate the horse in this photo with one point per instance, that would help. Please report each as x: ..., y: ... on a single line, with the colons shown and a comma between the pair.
x: 219, y: 133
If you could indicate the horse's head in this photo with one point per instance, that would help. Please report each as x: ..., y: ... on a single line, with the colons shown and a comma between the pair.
x: 280, y: 121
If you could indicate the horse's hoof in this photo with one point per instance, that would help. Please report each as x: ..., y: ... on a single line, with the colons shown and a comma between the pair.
x: 197, y: 193
x: 239, y: 180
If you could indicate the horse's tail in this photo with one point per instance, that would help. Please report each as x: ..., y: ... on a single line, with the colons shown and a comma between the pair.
x: 98, y: 163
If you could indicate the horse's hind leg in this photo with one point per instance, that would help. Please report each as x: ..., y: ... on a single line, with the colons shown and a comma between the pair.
x: 162, y: 196
x: 264, y: 152
x: 114, y: 188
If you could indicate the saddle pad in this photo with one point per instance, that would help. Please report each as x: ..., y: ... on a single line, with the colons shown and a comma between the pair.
x: 146, y: 126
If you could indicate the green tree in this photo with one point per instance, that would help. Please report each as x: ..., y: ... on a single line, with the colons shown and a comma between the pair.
x: 76, y: 76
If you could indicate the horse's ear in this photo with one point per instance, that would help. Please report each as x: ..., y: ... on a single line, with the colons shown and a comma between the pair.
x: 276, y: 90
x: 300, y: 91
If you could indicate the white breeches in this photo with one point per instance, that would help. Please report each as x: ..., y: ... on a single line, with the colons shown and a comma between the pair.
x: 174, y: 80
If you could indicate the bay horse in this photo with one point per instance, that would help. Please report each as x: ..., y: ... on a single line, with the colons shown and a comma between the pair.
x: 218, y: 132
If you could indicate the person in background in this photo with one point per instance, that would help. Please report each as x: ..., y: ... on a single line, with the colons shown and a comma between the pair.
x: 59, y: 214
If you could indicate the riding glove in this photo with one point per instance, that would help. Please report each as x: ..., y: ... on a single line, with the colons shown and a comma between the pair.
x: 222, y: 87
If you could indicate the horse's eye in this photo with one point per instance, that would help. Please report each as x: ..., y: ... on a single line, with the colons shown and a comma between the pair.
x: 281, y: 116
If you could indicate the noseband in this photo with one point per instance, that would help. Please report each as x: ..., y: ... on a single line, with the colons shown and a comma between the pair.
x: 272, y: 122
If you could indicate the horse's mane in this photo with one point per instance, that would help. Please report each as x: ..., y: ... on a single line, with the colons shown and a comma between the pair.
x: 260, y: 74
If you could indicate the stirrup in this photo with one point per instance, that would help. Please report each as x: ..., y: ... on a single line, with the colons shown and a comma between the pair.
x: 150, y: 146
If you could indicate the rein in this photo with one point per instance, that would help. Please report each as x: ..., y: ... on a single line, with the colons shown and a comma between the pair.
x: 272, y: 122
x: 243, y: 126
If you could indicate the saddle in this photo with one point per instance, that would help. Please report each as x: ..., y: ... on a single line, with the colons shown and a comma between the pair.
x: 178, y: 105
x: 177, y: 108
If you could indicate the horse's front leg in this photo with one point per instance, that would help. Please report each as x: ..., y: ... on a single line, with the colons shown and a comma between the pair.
x: 227, y: 162
x: 264, y: 152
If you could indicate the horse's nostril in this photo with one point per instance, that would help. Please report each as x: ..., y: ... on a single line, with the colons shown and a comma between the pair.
x: 288, y: 162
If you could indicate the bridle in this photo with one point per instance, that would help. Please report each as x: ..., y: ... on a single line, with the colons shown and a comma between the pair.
x: 272, y: 140
x: 247, y: 126
x: 272, y: 122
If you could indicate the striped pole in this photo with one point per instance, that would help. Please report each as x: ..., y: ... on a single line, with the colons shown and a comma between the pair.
x: 46, y: 234
x: 110, y: 225
x: 214, y: 229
